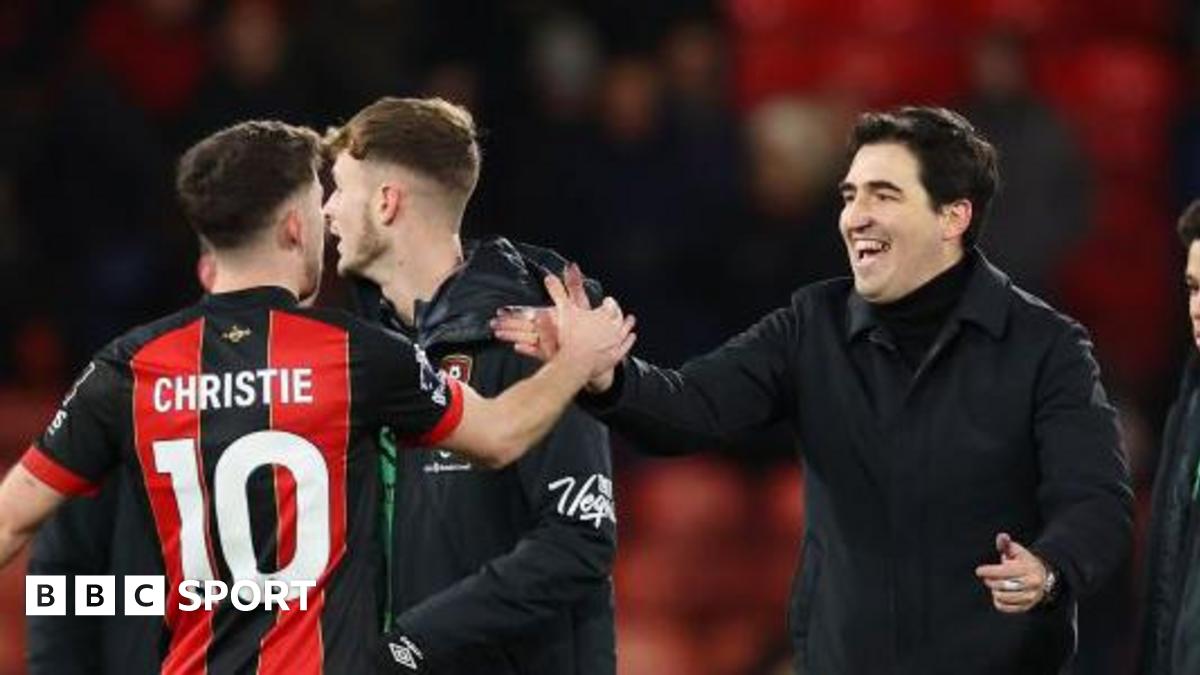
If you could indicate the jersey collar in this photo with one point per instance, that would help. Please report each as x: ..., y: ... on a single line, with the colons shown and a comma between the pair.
x: 259, y: 296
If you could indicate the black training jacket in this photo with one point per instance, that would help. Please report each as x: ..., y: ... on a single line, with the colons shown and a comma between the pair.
x: 1170, y: 642
x: 1004, y: 427
x: 505, y: 571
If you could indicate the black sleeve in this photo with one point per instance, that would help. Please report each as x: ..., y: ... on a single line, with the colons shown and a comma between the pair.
x: 79, y: 447
x: 745, y: 385
x: 566, y: 556
x: 75, y: 541
x: 1171, y: 494
x: 1085, y: 492
x: 408, y: 394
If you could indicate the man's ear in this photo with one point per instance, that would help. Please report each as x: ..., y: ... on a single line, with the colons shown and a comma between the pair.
x: 391, y: 202
x: 956, y: 218
x: 290, y: 231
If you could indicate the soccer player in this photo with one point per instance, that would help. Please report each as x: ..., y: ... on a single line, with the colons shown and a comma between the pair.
x: 248, y: 423
x: 965, y: 482
x: 498, y: 572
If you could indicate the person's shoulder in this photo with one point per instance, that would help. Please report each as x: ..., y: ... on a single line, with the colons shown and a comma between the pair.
x: 822, y: 296
x: 1033, y: 313
x: 359, y: 328
x: 125, y: 346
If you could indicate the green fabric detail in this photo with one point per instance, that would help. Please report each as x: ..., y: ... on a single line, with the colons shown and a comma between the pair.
x: 387, y: 514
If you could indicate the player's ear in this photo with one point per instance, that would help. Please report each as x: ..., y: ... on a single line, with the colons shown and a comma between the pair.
x: 291, y: 230
x: 391, y: 202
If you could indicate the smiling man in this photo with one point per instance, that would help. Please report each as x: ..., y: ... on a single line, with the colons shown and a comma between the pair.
x: 964, y: 479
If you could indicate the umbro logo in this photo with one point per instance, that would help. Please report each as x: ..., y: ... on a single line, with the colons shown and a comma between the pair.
x: 236, y: 334
x: 406, y: 654
x: 402, y: 656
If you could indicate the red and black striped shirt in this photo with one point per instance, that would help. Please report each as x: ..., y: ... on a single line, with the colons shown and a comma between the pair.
x: 249, y: 425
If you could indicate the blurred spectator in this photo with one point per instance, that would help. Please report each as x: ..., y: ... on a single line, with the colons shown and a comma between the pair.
x: 99, y: 191
x: 152, y: 48
x: 355, y: 51
x: 256, y: 76
x: 1040, y: 212
x: 456, y: 82
x: 699, y: 117
x: 1187, y: 136
x: 789, y: 236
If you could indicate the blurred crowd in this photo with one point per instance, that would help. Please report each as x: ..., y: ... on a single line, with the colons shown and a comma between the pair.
x: 685, y: 152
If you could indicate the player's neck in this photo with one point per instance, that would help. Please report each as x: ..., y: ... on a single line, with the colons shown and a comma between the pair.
x: 234, y: 275
x: 422, y: 269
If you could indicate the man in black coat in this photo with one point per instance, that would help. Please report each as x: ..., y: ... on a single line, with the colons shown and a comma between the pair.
x: 504, y: 572
x: 1170, y: 642
x: 964, y: 477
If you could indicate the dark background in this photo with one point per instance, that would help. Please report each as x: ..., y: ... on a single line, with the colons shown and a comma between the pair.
x: 684, y: 152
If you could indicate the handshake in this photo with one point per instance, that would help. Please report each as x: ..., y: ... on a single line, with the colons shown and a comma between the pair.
x: 571, y: 329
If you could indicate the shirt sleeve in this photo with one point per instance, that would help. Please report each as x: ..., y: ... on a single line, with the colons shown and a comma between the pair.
x: 79, y: 446
x: 421, y: 404
x: 743, y: 386
x: 1084, y: 493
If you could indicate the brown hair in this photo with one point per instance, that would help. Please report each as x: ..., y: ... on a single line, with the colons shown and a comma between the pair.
x: 231, y: 182
x: 428, y: 135
x: 1189, y: 224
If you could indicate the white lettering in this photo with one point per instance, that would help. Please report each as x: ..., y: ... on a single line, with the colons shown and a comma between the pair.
x: 227, y: 389
x: 301, y: 588
x: 214, y: 592
x: 210, y: 388
x: 591, y: 503
x: 265, y: 375
x: 245, y: 594
x: 161, y: 403
x: 245, y: 389
x: 188, y: 590
x: 302, y: 382
x: 241, y: 389
x: 185, y: 393
x: 275, y: 591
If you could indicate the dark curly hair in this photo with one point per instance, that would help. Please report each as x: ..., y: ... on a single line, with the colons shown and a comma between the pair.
x: 231, y: 182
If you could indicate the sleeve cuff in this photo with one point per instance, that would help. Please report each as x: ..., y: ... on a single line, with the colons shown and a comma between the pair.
x: 450, y: 418
x: 58, y: 477
x: 1053, y: 558
x: 609, y: 401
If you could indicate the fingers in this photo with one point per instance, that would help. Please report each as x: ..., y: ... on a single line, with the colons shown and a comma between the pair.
x: 610, y: 307
x: 1013, y: 586
x: 626, y: 347
x: 575, y: 288
x: 516, y: 336
x: 527, y: 350
x: 1003, y: 541
x: 558, y: 292
x: 996, y: 572
x: 1011, y: 607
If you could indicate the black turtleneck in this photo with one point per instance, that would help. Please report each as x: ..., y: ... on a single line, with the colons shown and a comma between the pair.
x: 915, y: 320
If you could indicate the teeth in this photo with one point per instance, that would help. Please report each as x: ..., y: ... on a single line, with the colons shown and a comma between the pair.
x: 864, y: 246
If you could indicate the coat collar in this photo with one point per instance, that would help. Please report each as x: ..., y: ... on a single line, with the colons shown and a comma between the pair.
x: 985, y: 302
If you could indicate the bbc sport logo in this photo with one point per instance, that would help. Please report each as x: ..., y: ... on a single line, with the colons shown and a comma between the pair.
x: 146, y: 595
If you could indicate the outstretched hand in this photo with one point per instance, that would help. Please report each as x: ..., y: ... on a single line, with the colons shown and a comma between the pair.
x: 1018, y: 581
x: 600, y: 337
